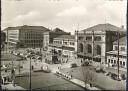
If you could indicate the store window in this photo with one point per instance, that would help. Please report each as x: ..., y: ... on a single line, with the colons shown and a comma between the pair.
x: 108, y: 60
x: 97, y: 38
x: 81, y: 47
x: 114, y: 61
x: 120, y: 62
x: 89, y: 38
x: 111, y: 61
x: 123, y: 63
x: 122, y: 48
x: 65, y: 43
x: 116, y: 47
x: 89, y: 48
x: 80, y: 38
x: 98, y: 50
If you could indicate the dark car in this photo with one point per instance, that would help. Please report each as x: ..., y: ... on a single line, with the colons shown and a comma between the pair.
x: 115, y: 77
x: 124, y: 76
x: 73, y: 65
x: 100, y: 70
x: 39, y: 58
x: 108, y: 74
x: 22, y: 58
x: 33, y: 57
x: 85, y: 63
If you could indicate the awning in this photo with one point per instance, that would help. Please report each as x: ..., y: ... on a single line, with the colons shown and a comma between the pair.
x: 54, y: 45
x: 80, y: 53
x: 68, y: 48
x: 116, y: 53
x: 62, y: 47
x: 89, y: 55
x: 99, y: 56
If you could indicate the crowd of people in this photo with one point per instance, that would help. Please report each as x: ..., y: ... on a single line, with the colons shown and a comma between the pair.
x: 11, y: 78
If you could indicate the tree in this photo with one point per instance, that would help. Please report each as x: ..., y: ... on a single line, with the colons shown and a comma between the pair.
x: 89, y: 76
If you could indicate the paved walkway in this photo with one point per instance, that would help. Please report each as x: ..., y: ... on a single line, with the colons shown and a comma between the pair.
x: 81, y: 83
x: 11, y: 87
x: 77, y: 81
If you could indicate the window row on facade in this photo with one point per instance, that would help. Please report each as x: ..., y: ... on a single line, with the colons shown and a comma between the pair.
x: 65, y: 43
x: 33, y: 41
x: 121, y: 48
x: 114, y: 62
x: 89, y: 38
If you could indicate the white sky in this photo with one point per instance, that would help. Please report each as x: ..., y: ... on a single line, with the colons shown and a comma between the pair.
x: 68, y: 15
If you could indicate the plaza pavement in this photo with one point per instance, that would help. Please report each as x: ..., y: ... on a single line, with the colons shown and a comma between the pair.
x: 11, y: 87
x: 66, y: 66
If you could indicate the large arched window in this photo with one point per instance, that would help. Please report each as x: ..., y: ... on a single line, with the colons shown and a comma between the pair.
x: 98, y: 50
x: 81, y: 47
x: 89, y: 48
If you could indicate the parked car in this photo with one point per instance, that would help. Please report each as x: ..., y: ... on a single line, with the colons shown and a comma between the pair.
x: 46, y: 69
x: 123, y: 76
x: 86, y: 63
x: 100, y: 70
x: 33, y: 57
x: 108, y: 74
x: 22, y: 58
x: 115, y: 77
x: 73, y: 65
x: 39, y: 58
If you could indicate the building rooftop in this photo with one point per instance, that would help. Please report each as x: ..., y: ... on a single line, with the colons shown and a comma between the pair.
x: 66, y: 37
x: 27, y: 27
x: 122, y: 41
x: 58, y: 30
x: 104, y: 27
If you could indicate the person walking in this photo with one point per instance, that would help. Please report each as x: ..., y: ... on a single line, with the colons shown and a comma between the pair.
x: 67, y: 60
x: 13, y: 76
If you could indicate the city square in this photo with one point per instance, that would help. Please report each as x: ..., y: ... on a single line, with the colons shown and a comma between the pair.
x: 63, y: 45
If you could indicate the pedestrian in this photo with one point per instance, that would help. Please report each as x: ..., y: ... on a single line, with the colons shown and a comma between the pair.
x: 90, y: 85
x: 81, y: 60
x: 67, y: 60
x: 13, y: 76
x: 71, y: 75
x: 32, y: 67
x: 2, y: 81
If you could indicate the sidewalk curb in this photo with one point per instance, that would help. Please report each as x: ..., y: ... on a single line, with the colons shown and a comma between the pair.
x: 79, y: 83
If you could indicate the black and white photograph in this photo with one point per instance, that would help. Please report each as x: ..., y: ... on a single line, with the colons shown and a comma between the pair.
x: 63, y: 45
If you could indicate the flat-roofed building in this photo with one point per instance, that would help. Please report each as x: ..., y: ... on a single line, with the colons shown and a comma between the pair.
x: 25, y: 36
x: 64, y: 44
x: 112, y: 56
x: 3, y: 38
x: 50, y: 35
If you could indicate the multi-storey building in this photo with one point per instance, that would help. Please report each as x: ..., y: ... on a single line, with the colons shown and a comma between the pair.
x: 50, y: 35
x: 64, y: 44
x: 94, y: 42
x: 25, y: 36
x: 112, y: 56
x: 3, y: 37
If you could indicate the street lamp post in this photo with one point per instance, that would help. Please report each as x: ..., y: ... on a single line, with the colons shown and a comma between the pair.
x: 19, y: 67
x: 118, y: 54
x: 93, y: 45
x: 30, y: 75
x: 77, y: 44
